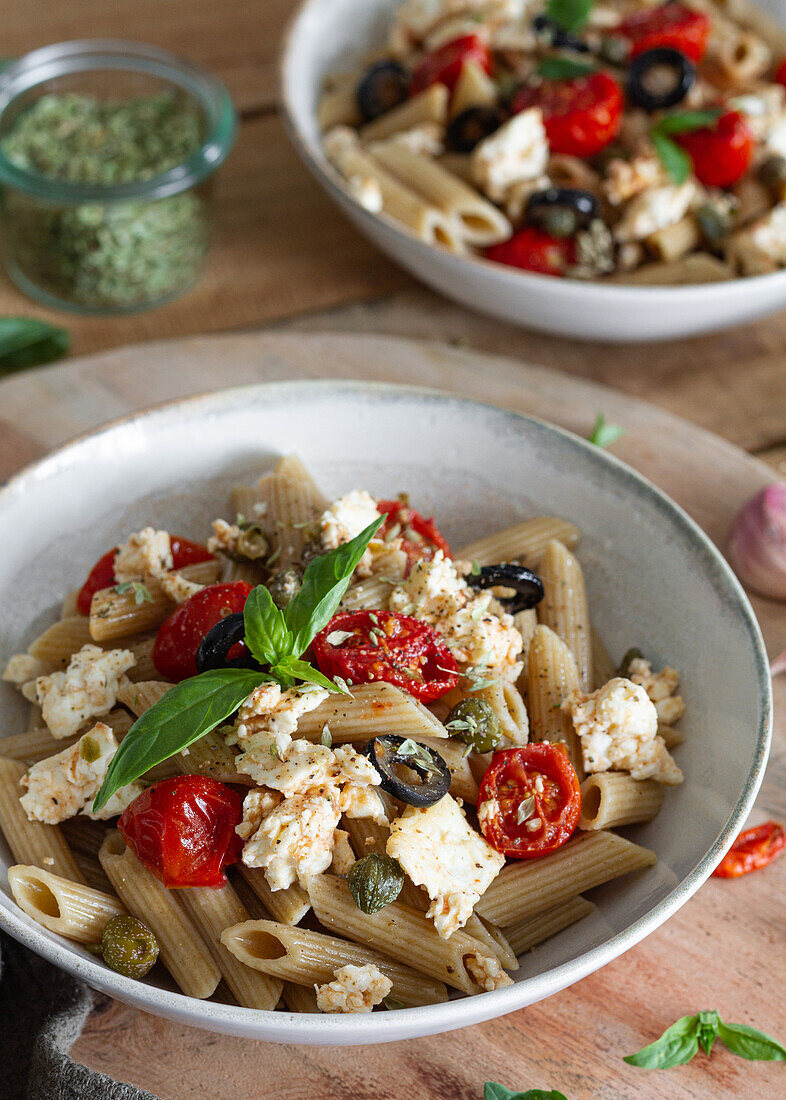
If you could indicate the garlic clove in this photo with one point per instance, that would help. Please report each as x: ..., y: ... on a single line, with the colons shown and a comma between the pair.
x: 757, y: 543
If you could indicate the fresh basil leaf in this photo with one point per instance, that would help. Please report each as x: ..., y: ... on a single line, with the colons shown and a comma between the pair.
x: 707, y: 1030
x: 673, y: 158
x: 295, y: 669
x: 267, y: 635
x: 685, y: 122
x: 676, y: 1046
x: 493, y: 1091
x: 562, y: 68
x: 570, y: 15
x: 325, y: 581
x: 25, y: 342
x: 604, y: 434
x: 187, y: 712
x: 749, y: 1042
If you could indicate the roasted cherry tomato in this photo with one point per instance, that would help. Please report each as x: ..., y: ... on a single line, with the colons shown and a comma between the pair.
x: 364, y: 646
x: 178, y: 638
x: 672, y: 25
x: 721, y: 153
x: 780, y: 73
x: 102, y: 575
x: 753, y: 849
x: 530, y: 800
x: 581, y: 116
x: 443, y: 66
x: 533, y: 250
x: 421, y: 539
x: 183, y: 830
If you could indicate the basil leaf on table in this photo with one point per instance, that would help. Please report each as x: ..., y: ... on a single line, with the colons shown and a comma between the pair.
x: 187, y: 712
x: 569, y: 15
x: 676, y: 1046
x: 749, y: 1042
x: 266, y: 631
x: 604, y: 434
x: 680, y: 1042
x: 493, y: 1091
x: 25, y: 342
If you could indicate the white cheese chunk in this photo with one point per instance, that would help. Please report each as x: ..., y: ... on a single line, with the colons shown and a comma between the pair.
x: 487, y: 972
x: 295, y: 840
x: 269, y: 716
x: 661, y: 687
x: 760, y: 248
x: 346, y: 518
x: 147, y: 553
x: 87, y: 689
x: 22, y: 668
x: 517, y: 151
x: 654, y: 209
x: 354, y: 989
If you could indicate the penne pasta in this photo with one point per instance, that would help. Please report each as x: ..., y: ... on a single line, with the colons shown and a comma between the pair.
x: 531, y: 931
x: 338, y: 106
x: 286, y: 508
x: 671, y: 736
x: 372, y: 709
x: 144, y: 669
x: 505, y: 700
x: 69, y: 605
x: 462, y: 781
x: 525, y: 541
x: 430, y: 105
x: 299, y: 998
x: 292, y: 466
x: 551, y: 676
x: 31, y: 842
x: 612, y: 799
x: 288, y: 906
x: 142, y: 696
x: 37, y: 744
x: 211, y: 756
x: 61, y: 905
x: 564, y: 607
x: 474, y: 88
x: 675, y: 241
x: 116, y: 614
x: 493, y: 939
x: 62, y: 639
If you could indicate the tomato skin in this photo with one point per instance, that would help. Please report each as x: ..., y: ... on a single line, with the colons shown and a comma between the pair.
x: 780, y: 73
x: 444, y: 65
x: 581, y: 116
x: 183, y: 830
x: 409, y: 653
x: 102, y: 575
x: 752, y: 850
x: 721, y: 153
x: 178, y: 638
x: 533, y: 250
x: 510, y: 778
x: 672, y: 25
x: 397, y: 512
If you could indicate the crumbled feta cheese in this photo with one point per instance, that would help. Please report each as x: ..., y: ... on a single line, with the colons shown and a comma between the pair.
x: 269, y: 716
x: 618, y: 726
x: 257, y: 805
x: 661, y: 687
x: 224, y: 537
x: 426, y: 139
x: 354, y: 989
x: 760, y: 248
x: 148, y: 553
x: 337, y: 142
x: 487, y: 972
x: 343, y: 855
x: 345, y: 518
x: 22, y: 668
x: 654, y: 209
x: 179, y: 588
x: 439, y: 850
x: 626, y: 178
x: 367, y: 191
x: 60, y: 786
x: 295, y: 840
x: 87, y: 689
x: 517, y: 151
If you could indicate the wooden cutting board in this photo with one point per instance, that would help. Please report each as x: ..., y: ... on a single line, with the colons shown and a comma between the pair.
x: 723, y: 950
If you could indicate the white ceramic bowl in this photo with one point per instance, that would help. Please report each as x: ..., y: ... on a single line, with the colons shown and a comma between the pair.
x: 654, y: 580
x: 324, y: 37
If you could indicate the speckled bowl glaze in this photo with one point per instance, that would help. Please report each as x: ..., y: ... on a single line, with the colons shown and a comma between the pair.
x: 654, y: 580
x: 328, y: 36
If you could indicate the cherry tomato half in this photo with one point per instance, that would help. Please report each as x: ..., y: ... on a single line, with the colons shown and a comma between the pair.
x: 752, y: 850
x: 538, y: 784
x: 102, y: 575
x: 672, y: 25
x: 183, y: 830
x: 581, y: 116
x: 533, y: 250
x: 421, y: 538
x: 367, y: 646
x: 780, y: 73
x: 444, y: 65
x: 721, y: 153
x: 178, y: 638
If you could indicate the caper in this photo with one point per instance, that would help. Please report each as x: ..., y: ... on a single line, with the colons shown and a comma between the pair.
x: 715, y: 223
x: 375, y: 881
x: 475, y: 723
x: 284, y: 586
x: 772, y: 172
x: 633, y: 654
x: 559, y: 222
x: 129, y: 946
x: 253, y: 543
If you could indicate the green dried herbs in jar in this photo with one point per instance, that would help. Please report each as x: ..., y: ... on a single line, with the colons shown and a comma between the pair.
x: 107, y: 152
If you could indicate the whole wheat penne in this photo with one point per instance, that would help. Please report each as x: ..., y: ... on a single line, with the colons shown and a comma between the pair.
x: 339, y: 106
x: 232, y: 571
x: 551, y: 676
x: 531, y: 931
x: 454, y: 753
x: 68, y: 606
x: 115, y: 614
x: 300, y: 998
x: 524, y: 541
x: 430, y: 105
x: 371, y: 592
x: 493, y: 939
x: 211, y: 756
x: 61, y: 905
x: 564, y: 606
x: 311, y: 958
x: 699, y: 267
x: 288, y: 906
x: 506, y: 702
x: 525, y: 622
x: 612, y: 799
x: 31, y: 842
x: 460, y: 164
x: 183, y: 952
x: 372, y: 709
x: 243, y: 498
x: 62, y: 639
x: 293, y: 466
x: 366, y: 836
x: 142, y: 696
x: 144, y: 669
x: 672, y: 242
x: 286, y: 508
x: 530, y: 886
x: 474, y: 88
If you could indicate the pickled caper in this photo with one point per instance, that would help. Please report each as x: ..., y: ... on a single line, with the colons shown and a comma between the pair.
x: 284, y: 586
x: 128, y: 946
x: 559, y: 221
x: 772, y: 172
x: 715, y: 223
x: 375, y: 881
x: 475, y: 723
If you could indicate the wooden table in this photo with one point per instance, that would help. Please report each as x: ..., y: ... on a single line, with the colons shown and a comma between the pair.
x: 285, y: 259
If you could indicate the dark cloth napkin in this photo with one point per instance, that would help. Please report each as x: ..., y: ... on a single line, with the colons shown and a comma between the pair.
x: 42, y: 1013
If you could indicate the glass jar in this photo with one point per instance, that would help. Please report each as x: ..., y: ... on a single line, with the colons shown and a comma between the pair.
x: 98, y: 247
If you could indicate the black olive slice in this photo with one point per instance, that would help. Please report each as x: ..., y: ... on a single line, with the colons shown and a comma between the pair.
x: 472, y: 126
x: 650, y: 90
x: 528, y: 585
x: 382, y: 87
x: 385, y: 751
x: 216, y: 644
x: 556, y: 36
x: 582, y: 204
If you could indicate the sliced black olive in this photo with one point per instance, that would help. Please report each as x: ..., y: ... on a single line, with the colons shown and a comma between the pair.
x: 472, y: 126
x: 215, y: 646
x: 660, y: 78
x: 528, y: 585
x: 387, y: 750
x: 553, y: 35
x: 383, y: 87
x: 561, y: 211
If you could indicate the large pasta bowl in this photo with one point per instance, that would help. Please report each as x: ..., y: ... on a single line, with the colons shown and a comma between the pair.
x: 653, y: 579
x: 327, y: 36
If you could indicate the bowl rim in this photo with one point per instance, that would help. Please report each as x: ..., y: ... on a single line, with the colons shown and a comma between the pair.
x: 430, y: 1019
x: 590, y: 290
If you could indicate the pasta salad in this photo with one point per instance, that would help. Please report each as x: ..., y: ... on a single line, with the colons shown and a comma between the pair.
x: 326, y: 759
x: 631, y: 140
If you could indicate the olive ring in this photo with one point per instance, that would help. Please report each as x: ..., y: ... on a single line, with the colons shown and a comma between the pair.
x: 528, y: 585
x: 431, y: 768
x: 682, y: 67
x: 214, y: 648
x: 557, y: 37
x: 582, y: 204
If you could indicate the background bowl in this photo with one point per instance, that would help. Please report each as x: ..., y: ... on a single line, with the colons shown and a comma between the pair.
x: 328, y: 36
x: 654, y: 580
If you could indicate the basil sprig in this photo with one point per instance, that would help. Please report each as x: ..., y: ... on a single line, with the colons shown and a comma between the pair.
x: 25, y: 342
x: 276, y: 638
x: 564, y: 68
x: 680, y: 1042
x: 493, y: 1091
x: 603, y: 433
x: 570, y: 15
x: 672, y: 156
